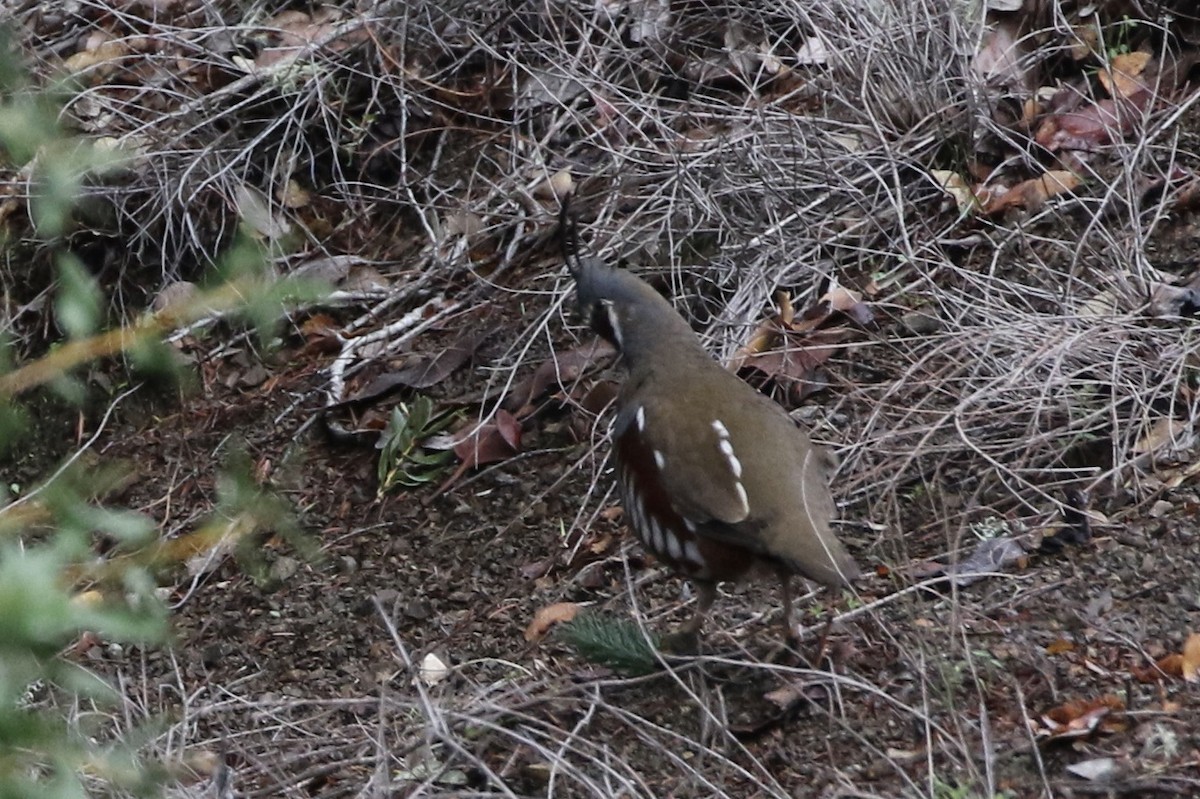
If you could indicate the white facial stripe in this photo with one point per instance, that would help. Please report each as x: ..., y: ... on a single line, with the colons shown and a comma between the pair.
x: 613, y: 322
x: 660, y: 460
x: 639, y: 418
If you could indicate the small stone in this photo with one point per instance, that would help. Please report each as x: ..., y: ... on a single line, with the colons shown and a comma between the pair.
x: 174, y: 297
x: 418, y: 609
x: 212, y: 655
x: 1100, y: 769
x: 285, y: 568
x: 1161, y: 508
x: 919, y: 323
x: 591, y: 576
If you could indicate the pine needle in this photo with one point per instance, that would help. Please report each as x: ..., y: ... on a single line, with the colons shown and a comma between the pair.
x: 619, y: 644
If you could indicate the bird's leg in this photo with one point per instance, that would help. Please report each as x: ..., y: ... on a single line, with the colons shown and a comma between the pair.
x: 706, y: 594
x: 790, y: 635
x: 787, y: 652
x: 686, y: 640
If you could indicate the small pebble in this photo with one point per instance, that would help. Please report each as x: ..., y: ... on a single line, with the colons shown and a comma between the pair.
x: 1161, y: 508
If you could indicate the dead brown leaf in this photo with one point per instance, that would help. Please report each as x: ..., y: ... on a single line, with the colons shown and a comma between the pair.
x: 1060, y: 646
x: 1174, y: 301
x: 494, y: 441
x: 555, y: 187
x: 100, y: 50
x: 1120, y: 80
x: 1079, y: 719
x: 538, y: 568
x: 424, y: 371
x: 1165, y: 437
x: 1171, y: 665
x: 793, y: 367
x: 789, y: 350
x: 1090, y: 127
x: 769, y: 330
x: 320, y: 333
x: 1179, y: 186
x: 1190, y: 665
x: 786, y: 697
x: 295, y: 30
x: 1032, y: 194
x: 613, y: 513
x: 293, y: 195
x: 1086, y: 40
x: 999, y: 58
x: 838, y: 300
x: 174, y: 297
x: 601, y: 544
x: 549, y: 616
x: 957, y: 187
x: 88, y: 599
x: 428, y: 370
x: 561, y: 368
x: 600, y: 396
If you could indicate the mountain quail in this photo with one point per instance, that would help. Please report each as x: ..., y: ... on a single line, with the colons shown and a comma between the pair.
x: 714, y: 477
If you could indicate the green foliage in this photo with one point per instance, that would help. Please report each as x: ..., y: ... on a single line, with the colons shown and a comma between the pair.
x: 619, y: 644
x: 244, y: 283
x: 58, y: 164
x: 53, y: 588
x: 403, y: 461
x: 77, y: 307
x: 25, y: 119
x: 250, y: 510
x: 44, y: 753
x: 155, y: 361
x: 45, y: 538
x: 1120, y: 36
x: 13, y: 420
x: 12, y: 77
